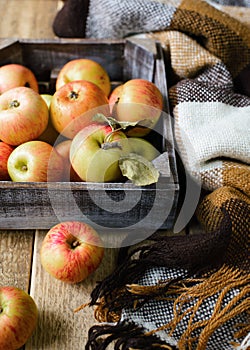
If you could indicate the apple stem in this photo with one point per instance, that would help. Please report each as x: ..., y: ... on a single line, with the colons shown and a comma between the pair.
x: 73, y: 95
x: 24, y: 168
x: 75, y: 244
x: 1, y: 310
x: 14, y: 104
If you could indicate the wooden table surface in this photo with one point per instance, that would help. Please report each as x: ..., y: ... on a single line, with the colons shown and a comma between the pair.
x: 58, y: 327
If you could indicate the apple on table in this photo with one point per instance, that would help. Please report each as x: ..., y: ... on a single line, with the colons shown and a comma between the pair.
x: 14, y: 75
x: 71, y: 251
x: 18, y: 317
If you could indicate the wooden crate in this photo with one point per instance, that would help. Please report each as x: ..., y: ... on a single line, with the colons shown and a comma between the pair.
x: 103, y: 205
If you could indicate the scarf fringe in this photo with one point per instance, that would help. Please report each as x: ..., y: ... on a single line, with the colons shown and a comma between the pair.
x: 196, y: 254
x: 125, y: 336
x: 220, y: 282
x: 183, y: 293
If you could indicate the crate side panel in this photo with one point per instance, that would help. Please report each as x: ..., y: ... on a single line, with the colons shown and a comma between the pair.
x: 139, y: 60
x: 42, y: 58
x: 160, y: 79
x: 30, y: 208
x: 10, y: 52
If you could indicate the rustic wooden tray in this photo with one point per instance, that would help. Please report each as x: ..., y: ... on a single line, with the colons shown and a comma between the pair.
x: 105, y: 205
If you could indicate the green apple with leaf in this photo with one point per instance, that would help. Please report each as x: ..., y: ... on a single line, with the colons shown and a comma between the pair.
x: 96, y: 152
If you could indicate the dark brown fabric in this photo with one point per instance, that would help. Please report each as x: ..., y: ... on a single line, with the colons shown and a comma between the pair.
x: 70, y: 21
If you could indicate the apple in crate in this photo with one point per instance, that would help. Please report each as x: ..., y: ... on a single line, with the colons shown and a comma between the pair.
x: 18, y: 317
x: 84, y: 69
x: 5, y: 151
x: 47, y: 98
x: 49, y: 135
x: 137, y: 100
x: 74, y: 105
x: 15, y: 75
x: 114, y: 97
x: 24, y: 115
x: 71, y: 251
x: 63, y: 148
x: 35, y: 161
x: 96, y: 150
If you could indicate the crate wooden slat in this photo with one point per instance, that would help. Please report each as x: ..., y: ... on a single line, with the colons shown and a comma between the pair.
x: 40, y: 205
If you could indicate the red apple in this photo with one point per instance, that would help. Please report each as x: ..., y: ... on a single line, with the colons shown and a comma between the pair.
x: 15, y: 75
x: 115, y: 96
x: 71, y: 251
x: 74, y: 105
x: 5, y: 151
x: 18, y: 317
x: 35, y: 161
x: 63, y: 148
x: 84, y: 69
x: 137, y: 100
x: 23, y: 115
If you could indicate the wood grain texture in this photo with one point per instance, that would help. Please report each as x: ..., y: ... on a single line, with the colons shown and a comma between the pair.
x: 28, y: 18
x: 15, y: 258
x: 59, y: 327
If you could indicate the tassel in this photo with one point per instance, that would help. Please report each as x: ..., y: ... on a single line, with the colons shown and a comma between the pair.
x: 194, y: 253
x: 220, y: 282
x: 125, y: 336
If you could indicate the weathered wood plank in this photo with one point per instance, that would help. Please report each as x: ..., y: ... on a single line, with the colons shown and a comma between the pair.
x: 59, y: 327
x: 15, y: 258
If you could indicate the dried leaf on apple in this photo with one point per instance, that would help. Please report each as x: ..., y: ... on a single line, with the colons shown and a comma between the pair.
x: 138, y: 169
x: 115, y: 124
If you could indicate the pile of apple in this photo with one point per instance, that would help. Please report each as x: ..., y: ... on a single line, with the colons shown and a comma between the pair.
x: 81, y: 132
